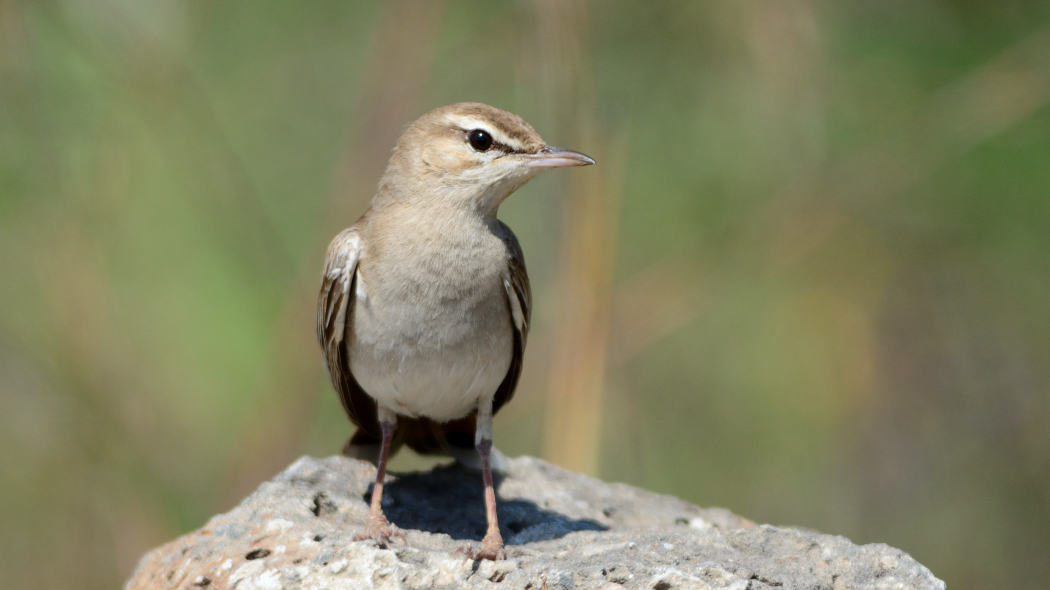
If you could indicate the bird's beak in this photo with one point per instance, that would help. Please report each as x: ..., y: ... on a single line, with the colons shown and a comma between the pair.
x: 556, y: 157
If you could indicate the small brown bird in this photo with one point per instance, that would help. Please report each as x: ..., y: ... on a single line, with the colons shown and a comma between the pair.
x: 425, y: 303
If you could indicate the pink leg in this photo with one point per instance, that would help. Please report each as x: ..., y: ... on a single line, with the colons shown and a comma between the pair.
x: 378, y: 528
x: 492, y: 545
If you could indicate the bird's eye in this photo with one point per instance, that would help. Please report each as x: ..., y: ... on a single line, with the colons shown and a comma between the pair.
x: 479, y: 140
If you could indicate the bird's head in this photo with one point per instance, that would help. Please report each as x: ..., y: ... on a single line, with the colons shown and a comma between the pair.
x: 469, y: 155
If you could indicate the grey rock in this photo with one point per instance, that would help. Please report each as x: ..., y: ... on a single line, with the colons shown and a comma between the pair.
x: 563, y: 530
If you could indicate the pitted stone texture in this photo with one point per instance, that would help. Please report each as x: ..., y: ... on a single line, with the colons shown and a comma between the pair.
x: 563, y: 530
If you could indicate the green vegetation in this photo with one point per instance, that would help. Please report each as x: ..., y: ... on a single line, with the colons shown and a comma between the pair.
x: 819, y: 233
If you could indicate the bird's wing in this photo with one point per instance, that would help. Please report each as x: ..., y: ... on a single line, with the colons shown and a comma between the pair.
x: 519, y: 303
x: 335, y: 325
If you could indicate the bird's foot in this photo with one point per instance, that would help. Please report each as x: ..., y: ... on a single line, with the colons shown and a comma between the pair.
x: 491, y: 548
x: 379, y: 529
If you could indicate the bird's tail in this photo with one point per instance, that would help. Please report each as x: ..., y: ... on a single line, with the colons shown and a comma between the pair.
x: 426, y: 437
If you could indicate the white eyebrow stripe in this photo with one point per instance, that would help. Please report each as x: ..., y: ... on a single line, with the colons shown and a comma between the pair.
x: 471, y: 123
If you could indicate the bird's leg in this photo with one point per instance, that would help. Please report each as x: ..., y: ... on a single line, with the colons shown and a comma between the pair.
x: 492, y: 545
x: 378, y: 528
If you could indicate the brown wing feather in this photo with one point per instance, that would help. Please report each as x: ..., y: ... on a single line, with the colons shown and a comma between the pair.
x: 519, y: 304
x: 335, y: 324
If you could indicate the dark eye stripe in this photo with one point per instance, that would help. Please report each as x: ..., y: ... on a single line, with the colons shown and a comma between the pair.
x: 496, y: 144
x: 505, y: 148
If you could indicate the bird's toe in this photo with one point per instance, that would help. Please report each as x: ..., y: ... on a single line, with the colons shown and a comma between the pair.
x: 491, y: 548
x: 380, y: 530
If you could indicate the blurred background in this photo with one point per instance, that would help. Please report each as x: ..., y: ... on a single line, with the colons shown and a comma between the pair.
x: 808, y: 281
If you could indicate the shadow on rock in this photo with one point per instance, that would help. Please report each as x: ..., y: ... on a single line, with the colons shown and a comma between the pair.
x: 450, y: 500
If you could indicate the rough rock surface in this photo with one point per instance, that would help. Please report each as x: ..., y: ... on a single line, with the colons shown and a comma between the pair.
x: 563, y: 530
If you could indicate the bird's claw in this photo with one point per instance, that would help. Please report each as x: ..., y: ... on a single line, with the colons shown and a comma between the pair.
x: 491, y: 548
x: 379, y: 529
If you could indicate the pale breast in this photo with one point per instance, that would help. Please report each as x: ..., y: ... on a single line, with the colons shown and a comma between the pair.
x: 431, y: 327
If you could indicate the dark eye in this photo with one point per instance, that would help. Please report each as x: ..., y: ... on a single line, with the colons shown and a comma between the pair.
x: 479, y: 140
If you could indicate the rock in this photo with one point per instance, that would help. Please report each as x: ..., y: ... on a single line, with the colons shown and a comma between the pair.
x: 563, y: 530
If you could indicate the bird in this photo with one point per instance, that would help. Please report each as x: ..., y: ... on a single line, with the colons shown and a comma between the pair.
x: 425, y: 303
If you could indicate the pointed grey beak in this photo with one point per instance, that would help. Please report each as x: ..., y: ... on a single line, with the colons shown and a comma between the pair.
x: 556, y: 157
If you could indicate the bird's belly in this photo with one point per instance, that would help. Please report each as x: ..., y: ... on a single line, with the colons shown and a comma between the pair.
x: 431, y: 364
